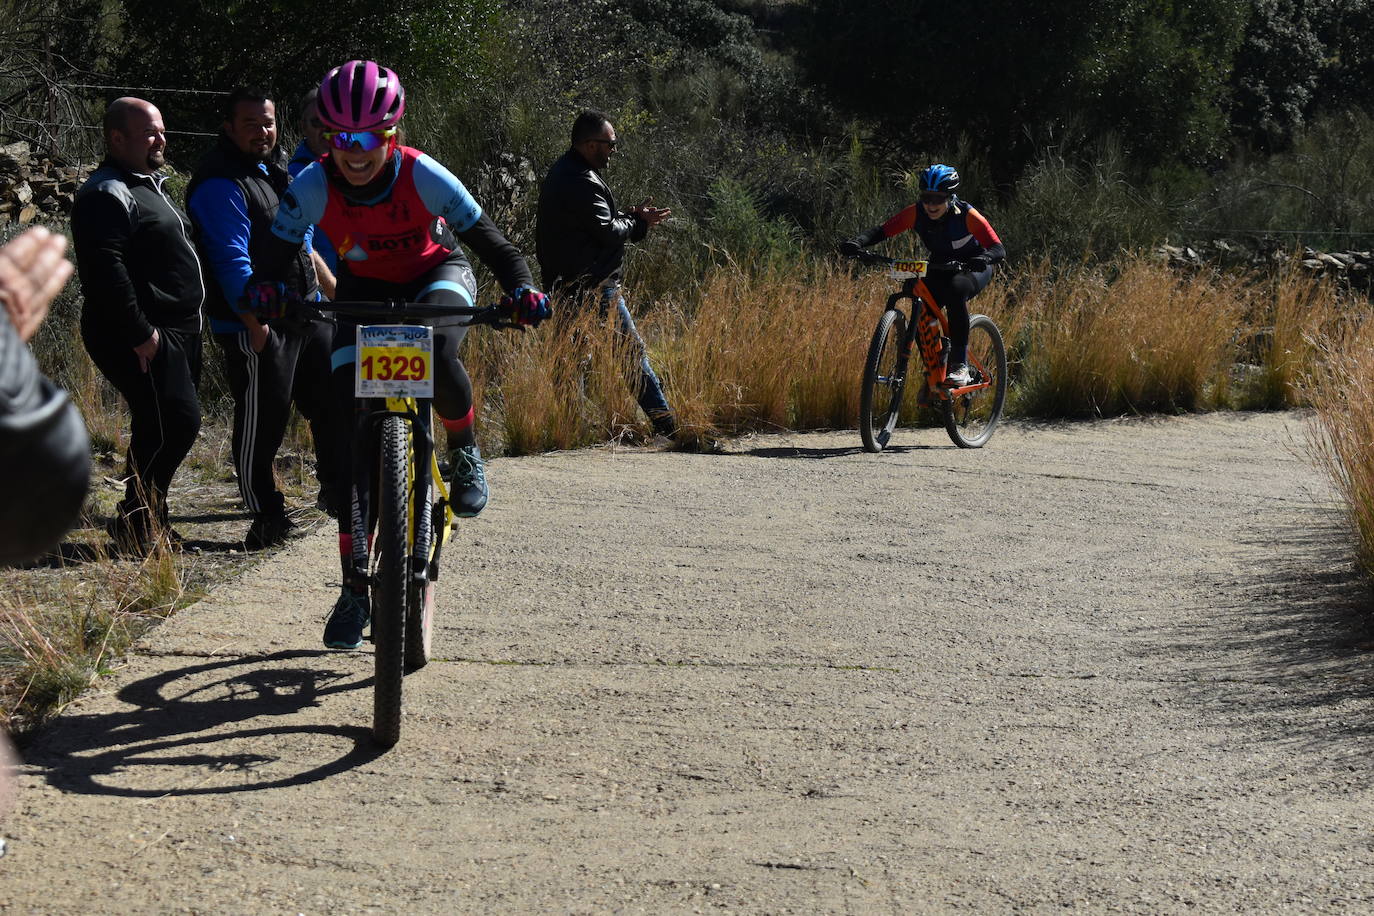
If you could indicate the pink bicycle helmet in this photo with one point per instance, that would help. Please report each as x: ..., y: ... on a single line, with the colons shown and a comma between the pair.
x: 361, y: 95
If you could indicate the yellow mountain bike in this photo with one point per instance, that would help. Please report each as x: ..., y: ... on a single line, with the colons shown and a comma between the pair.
x: 409, y: 503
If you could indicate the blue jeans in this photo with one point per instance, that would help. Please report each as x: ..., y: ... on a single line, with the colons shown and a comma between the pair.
x: 648, y: 389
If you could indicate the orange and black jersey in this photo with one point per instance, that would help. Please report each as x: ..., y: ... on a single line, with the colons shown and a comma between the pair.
x: 960, y: 235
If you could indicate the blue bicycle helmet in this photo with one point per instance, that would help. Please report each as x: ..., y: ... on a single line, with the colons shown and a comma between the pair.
x: 940, y: 178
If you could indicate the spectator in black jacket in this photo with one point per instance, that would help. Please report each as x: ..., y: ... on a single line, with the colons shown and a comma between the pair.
x: 580, y: 238
x: 141, y: 322
x: 45, y: 457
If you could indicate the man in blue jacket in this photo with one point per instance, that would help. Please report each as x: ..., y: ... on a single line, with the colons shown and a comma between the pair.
x: 232, y: 200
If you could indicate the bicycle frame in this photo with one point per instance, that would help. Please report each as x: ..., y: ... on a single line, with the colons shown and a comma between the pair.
x: 930, y: 325
x: 408, y: 506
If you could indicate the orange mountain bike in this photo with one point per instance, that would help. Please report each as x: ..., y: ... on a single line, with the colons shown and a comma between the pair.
x: 971, y: 412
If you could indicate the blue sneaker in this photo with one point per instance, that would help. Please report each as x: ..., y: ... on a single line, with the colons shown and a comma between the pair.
x: 347, y: 621
x: 468, y: 481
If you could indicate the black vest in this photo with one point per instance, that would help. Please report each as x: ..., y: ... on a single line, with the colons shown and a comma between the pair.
x: 262, y: 192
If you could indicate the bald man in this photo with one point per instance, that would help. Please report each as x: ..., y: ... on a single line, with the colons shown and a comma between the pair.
x: 141, y: 321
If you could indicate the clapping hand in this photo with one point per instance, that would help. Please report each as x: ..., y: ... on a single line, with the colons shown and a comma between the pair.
x: 32, y: 271
x: 651, y: 215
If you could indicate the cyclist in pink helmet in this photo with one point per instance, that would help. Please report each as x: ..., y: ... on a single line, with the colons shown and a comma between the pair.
x: 392, y: 213
x: 361, y: 95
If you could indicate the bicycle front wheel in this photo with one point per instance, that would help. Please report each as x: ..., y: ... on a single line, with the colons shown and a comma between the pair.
x: 389, y: 583
x: 971, y: 417
x: 880, y: 399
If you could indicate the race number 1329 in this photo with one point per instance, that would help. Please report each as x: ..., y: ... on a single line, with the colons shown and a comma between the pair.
x: 395, y: 361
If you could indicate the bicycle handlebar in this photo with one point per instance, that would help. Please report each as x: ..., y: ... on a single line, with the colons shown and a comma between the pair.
x: 873, y: 258
x: 393, y: 309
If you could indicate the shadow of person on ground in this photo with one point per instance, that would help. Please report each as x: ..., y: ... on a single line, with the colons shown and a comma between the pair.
x: 176, y: 721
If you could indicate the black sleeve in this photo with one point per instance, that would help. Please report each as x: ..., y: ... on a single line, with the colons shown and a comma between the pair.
x: 870, y: 237
x: 45, y: 455
x: 102, y: 233
x: 274, y: 260
x: 496, y: 251
x: 588, y: 206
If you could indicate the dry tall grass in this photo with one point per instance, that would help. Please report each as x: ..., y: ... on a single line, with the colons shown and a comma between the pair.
x: 56, y: 640
x: 1131, y: 338
x: 1341, y: 391
x: 782, y: 348
x: 775, y: 350
x: 1287, y: 316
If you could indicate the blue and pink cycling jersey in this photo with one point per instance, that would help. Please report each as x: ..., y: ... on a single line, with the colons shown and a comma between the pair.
x: 388, y: 237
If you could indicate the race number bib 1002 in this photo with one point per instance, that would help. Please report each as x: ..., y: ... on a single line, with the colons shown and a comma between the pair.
x: 906, y: 270
x: 395, y: 361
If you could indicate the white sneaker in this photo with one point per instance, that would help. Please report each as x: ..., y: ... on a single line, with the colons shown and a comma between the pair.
x: 958, y: 376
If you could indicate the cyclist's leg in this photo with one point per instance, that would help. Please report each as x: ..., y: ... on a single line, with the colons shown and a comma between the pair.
x: 351, y: 612
x: 953, y: 291
x: 452, y: 283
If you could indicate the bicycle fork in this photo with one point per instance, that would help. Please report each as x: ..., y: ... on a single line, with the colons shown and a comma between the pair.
x: 424, y: 521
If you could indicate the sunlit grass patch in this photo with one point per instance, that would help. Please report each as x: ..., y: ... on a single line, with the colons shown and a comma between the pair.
x: 58, y: 634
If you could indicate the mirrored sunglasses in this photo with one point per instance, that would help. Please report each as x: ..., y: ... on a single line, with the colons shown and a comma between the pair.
x: 365, y: 140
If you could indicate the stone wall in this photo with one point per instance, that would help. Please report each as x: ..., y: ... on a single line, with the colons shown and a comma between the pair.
x: 1353, y: 267
x: 33, y: 187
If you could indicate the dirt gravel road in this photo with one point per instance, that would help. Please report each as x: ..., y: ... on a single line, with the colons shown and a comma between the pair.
x: 1118, y: 666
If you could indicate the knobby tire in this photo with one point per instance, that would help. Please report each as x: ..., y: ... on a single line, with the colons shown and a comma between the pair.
x: 971, y: 418
x: 880, y: 398
x: 390, y: 582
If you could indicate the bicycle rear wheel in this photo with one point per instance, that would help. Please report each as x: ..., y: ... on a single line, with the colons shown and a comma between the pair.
x: 880, y: 398
x: 420, y: 597
x: 970, y: 418
x: 389, y: 591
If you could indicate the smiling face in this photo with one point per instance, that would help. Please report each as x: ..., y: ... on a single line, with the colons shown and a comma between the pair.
x: 357, y: 166
x: 253, y: 128
x: 936, y: 205
x: 139, y: 145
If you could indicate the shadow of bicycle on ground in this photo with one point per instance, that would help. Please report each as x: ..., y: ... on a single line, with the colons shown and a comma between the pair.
x: 820, y: 454
x: 189, y: 727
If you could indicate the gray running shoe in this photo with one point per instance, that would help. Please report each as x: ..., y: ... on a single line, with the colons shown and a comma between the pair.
x: 958, y: 376
x: 468, y: 483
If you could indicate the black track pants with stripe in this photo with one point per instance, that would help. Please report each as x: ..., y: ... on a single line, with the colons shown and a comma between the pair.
x: 262, y: 385
x: 164, y: 407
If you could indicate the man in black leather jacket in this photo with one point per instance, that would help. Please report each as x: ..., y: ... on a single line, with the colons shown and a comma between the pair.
x: 580, y: 238
x: 45, y: 456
